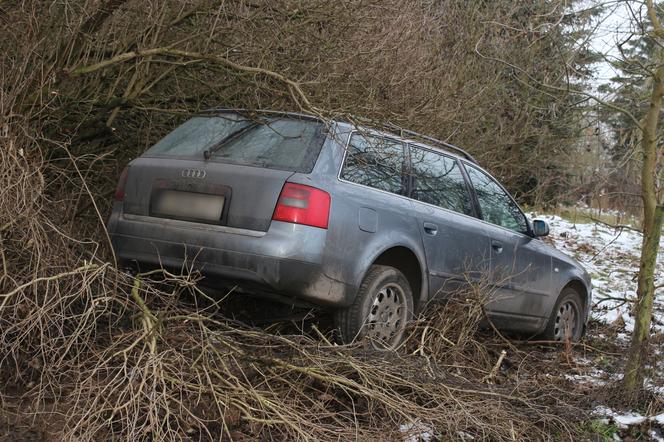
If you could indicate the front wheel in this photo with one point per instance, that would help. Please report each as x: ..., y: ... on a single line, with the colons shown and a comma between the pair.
x: 382, y: 308
x: 566, y: 320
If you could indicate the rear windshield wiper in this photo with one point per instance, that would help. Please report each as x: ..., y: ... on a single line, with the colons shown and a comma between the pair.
x: 207, y: 153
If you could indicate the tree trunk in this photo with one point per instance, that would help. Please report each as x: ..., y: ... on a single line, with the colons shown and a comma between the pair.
x: 634, y: 371
x: 653, y: 215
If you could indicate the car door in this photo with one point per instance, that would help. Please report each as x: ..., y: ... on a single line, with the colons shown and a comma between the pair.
x: 456, y: 244
x: 373, y: 212
x: 520, y: 266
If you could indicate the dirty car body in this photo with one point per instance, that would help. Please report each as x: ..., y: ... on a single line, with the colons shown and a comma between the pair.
x: 288, y: 205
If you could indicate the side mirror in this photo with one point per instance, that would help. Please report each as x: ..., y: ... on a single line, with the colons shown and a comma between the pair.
x: 540, y: 228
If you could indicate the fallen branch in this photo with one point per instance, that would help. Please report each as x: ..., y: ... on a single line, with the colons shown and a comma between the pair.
x: 293, y: 87
x: 615, y: 226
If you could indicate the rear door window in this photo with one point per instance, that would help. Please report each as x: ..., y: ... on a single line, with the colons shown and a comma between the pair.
x: 438, y: 180
x: 273, y: 143
x: 376, y: 162
x: 496, y: 205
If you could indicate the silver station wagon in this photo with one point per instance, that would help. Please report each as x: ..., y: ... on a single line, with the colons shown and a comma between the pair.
x: 371, y: 223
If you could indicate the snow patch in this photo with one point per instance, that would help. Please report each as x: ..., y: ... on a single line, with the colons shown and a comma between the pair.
x: 417, y: 432
x: 626, y: 419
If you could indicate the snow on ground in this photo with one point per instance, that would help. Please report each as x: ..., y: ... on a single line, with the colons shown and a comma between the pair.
x: 624, y: 420
x: 611, y: 256
x: 629, y: 418
x: 416, y: 432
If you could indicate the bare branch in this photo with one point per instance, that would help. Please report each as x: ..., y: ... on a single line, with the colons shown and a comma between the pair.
x: 296, y: 91
x: 534, y: 83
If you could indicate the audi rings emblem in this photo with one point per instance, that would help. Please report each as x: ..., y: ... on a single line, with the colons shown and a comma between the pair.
x: 193, y: 173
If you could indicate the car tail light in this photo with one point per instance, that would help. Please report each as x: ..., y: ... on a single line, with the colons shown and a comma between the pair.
x: 302, y: 204
x: 120, y: 190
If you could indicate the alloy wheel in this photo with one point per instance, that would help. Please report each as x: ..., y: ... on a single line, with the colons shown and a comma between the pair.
x: 387, y: 316
x: 566, y: 322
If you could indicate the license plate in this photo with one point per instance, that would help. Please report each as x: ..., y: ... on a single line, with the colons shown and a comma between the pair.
x: 187, y: 205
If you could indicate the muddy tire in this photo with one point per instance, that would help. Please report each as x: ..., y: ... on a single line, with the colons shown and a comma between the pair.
x: 566, y: 319
x: 382, y: 308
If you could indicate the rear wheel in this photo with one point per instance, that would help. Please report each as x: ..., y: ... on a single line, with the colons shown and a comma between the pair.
x: 382, y: 308
x: 566, y: 320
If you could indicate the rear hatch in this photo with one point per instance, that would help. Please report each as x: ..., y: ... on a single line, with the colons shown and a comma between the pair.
x: 225, y: 169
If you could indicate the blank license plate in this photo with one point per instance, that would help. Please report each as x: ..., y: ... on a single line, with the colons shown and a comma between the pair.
x: 187, y: 205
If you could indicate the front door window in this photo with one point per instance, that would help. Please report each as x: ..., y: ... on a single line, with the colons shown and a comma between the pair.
x: 496, y: 205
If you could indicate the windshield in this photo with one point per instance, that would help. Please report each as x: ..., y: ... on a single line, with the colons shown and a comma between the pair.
x: 275, y: 143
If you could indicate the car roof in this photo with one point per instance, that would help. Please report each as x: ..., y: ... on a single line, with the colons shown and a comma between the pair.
x: 388, y: 129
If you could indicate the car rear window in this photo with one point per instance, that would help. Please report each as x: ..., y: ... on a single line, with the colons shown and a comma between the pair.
x: 273, y: 143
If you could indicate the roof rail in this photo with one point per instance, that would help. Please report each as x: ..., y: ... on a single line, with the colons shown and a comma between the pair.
x: 276, y: 113
x: 401, y: 131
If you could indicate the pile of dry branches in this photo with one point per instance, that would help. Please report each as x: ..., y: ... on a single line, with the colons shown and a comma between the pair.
x: 127, y: 357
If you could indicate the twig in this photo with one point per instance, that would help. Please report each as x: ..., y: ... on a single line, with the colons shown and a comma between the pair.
x: 76, y: 271
x: 94, y: 204
x: 494, y: 371
x: 606, y: 246
x: 614, y: 226
x: 321, y: 335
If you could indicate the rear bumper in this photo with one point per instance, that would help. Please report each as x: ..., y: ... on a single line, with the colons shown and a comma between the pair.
x: 287, y: 260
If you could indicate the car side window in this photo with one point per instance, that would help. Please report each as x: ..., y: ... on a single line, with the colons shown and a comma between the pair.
x: 496, y: 205
x: 438, y: 180
x: 375, y: 162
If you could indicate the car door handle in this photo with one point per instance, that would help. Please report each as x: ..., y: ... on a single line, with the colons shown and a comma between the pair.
x: 497, y: 246
x: 430, y: 229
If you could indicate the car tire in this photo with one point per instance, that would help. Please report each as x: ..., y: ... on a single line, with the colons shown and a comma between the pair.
x: 382, y: 308
x: 568, y: 310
